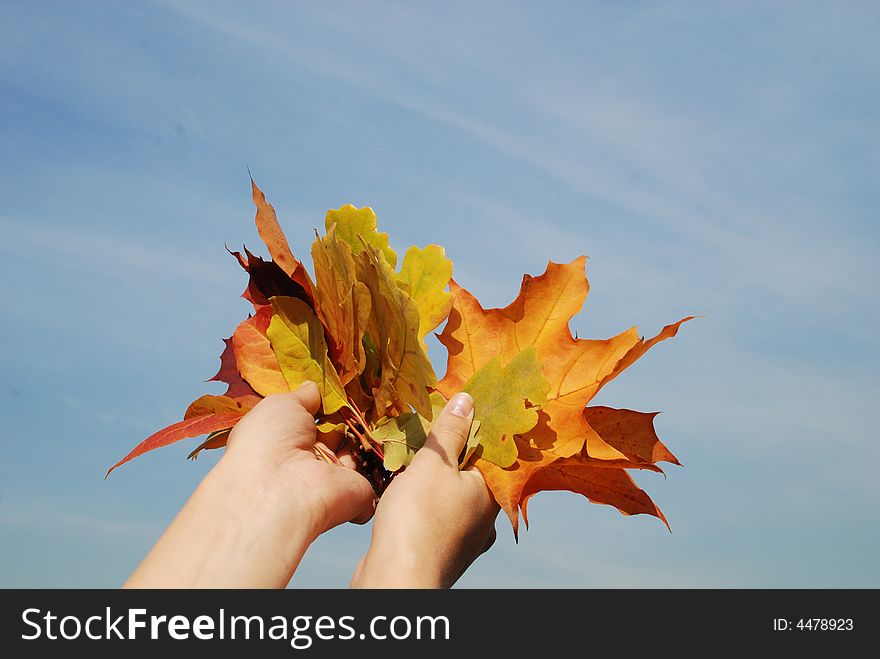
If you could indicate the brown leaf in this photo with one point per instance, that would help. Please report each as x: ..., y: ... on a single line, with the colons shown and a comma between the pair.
x: 358, y: 333
x: 343, y: 303
x: 215, y: 440
x: 271, y: 233
x: 267, y: 279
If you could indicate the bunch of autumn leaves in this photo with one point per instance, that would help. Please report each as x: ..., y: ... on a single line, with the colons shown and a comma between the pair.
x: 358, y: 331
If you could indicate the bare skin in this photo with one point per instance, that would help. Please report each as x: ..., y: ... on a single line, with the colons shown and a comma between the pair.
x: 251, y: 519
x: 433, y: 521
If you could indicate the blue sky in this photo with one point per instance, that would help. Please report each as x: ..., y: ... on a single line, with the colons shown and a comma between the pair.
x: 712, y: 158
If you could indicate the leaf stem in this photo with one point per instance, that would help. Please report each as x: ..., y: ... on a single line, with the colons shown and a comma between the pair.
x: 368, y: 442
x: 357, y: 433
x: 326, y: 455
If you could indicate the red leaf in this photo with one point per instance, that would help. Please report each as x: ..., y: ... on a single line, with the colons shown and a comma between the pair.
x: 193, y: 427
x: 229, y: 374
x: 267, y: 279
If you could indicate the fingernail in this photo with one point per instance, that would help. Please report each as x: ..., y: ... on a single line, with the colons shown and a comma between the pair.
x: 461, y: 405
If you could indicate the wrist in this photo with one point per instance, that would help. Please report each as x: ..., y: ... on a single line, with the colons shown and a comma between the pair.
x: 397, y: 565
x: 266, y: 500
x: 225, y: 536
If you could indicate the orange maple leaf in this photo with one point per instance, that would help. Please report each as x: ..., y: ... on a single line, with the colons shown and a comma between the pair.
x: 563, y: 443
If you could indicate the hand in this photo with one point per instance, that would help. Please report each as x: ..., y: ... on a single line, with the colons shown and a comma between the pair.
x: 273, y: 448
x: 433, y: 521
x: 253, y: 516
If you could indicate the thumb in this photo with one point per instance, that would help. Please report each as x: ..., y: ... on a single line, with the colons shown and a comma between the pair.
x: 450, y: 431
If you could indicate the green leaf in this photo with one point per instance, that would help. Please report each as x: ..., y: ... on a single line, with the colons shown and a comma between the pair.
x: 297, y: 339
x: 402, y: 436
x: 470, y: 448
x: 357, y: 226
x: 427, y: 272
x: 501, y: 394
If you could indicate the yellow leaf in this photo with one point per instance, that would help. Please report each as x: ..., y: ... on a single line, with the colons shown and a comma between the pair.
x: 357, y: 226
x: 427, y: 272
x: 297, y: 338
x: 404, y: 370
x: 343, y: 303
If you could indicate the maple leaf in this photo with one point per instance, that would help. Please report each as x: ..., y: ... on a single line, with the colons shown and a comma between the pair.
x: 426, y: 271
x: 297, y: 339
x: 357, y: 227
x: 632, y: 433
x: 500, y: 395
x: 576, y: 369
x: 614, y: 487
x: 266, y: 279
x: 254, y: 356
x: 405, y: 372
x: 228, y: 373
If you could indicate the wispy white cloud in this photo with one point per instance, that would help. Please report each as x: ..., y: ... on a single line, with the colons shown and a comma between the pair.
x: 75, y: 248
x: 594, y: 141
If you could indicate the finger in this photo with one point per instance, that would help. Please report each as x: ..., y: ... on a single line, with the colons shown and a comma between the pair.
x: 450, y: 430
x: 309, y: 396
x: 488, y: 503
x: 346, y: 459
x: 354, y: 497
x: 279, y: 417
x: 367, y: 513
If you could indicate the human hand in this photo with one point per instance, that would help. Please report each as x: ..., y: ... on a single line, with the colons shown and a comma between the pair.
x: 273, y: 450
x: 253, y: 516
x: 433, y: 521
